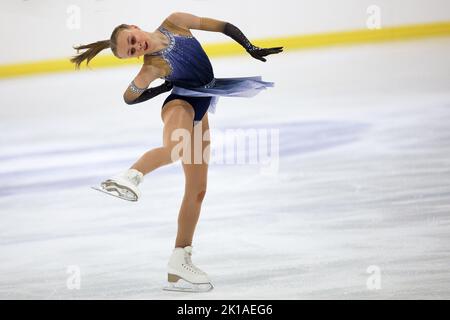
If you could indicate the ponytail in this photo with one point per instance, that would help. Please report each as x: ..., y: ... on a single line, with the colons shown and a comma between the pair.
x: 94, y: 48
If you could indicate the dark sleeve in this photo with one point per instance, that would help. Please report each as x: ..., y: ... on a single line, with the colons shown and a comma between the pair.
x: 152, y: 92
x: 236, y: 34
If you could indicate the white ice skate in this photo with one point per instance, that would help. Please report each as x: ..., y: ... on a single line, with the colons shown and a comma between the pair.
x: 183, y: 275
x: 124, y: 185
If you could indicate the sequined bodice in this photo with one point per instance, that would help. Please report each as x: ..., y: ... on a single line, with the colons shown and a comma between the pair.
x: 189, y: 64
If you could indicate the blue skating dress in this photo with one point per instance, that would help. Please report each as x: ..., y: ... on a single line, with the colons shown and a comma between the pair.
x: 193, y: 78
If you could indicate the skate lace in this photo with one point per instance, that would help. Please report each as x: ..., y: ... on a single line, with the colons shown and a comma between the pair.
x: 188, y: 265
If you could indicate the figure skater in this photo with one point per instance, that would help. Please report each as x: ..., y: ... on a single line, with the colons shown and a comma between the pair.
x: 173, y: 54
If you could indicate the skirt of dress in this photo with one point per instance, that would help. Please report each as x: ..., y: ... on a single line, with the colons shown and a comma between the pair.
x: 225, y: 87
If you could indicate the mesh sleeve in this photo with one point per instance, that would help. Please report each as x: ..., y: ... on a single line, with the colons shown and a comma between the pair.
x: 237, y: 35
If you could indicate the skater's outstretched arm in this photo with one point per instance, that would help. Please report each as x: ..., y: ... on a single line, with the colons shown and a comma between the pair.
x: 191, y: 21
x: 138, y: 90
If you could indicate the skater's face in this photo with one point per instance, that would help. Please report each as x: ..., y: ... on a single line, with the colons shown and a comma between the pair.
x: 132, y: 43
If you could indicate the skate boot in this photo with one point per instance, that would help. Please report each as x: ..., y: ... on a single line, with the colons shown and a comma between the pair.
x: 123, y: 185
x: 183, y: 275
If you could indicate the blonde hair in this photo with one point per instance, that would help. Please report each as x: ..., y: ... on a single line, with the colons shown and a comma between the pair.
x: 94, y: 48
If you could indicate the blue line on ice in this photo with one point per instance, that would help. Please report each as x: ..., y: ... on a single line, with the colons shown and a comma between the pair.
x: 296, y: 138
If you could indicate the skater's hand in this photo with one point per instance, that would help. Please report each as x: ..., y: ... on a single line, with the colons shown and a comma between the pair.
x: 259, y: 53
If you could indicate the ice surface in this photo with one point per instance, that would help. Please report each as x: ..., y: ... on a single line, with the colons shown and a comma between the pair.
x: 363, y: 180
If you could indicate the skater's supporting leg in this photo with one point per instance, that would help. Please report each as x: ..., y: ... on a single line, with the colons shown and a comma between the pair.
x: 195, y: 187
x: 176, y: 114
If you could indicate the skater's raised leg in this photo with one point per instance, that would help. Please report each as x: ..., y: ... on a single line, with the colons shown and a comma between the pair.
x: 176, y: 114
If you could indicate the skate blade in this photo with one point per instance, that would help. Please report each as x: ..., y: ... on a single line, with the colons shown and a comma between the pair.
x: 115, y: 193
x: 185, y: 286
